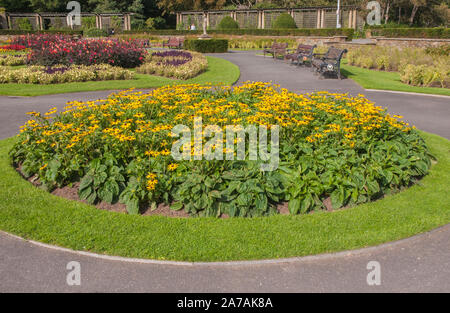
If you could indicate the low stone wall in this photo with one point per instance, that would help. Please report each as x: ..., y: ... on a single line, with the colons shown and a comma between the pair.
x: 307, y: 40
x: 411, y: 42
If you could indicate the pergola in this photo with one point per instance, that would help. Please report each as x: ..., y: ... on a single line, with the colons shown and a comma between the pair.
x: 305, y: 17
x: 37, y: 19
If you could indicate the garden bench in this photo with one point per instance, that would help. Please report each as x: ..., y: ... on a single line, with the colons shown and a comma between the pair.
x: 302, y: 54
x: 276, y: 49
x: 174, y: 42
x: 329, y: 62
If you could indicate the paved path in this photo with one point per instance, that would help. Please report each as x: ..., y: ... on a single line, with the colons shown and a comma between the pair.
x: 418, y: 264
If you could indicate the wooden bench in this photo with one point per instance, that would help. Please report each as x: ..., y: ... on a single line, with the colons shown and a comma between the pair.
x: 330, y: 62
x: 276, y: 49
x: 174, y: 42
x: 301, y: 55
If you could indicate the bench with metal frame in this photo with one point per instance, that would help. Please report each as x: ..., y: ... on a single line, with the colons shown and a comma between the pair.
x: 329, y: 62
x: 174, y: 42
x: 277, y: 49
x: 301, y: 55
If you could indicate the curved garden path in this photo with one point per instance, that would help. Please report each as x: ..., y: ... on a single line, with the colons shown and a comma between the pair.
x: 418, y: 264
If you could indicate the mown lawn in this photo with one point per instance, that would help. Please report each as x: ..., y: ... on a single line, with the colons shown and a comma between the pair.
x: 371, y: 79
x: 35, y: 214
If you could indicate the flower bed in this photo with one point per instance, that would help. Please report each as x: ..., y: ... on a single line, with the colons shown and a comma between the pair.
x: 174, y: 64
x: 13, y: 60
x: 59, y: 49
x: 332, y: 146
x: 63, y: 74
x: 13, y: 47
x: 417, y: 66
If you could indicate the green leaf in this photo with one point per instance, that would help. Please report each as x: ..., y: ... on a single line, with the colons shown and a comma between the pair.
x: 176, y: 206
x: 84, y: 193
x: 133, y: 206
x: 337, y: 199
x: 373, y: 186
x: 294, y: 206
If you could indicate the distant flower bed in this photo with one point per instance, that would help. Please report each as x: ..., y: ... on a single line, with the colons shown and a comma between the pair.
x: 174, y: 64
x: 13, y: 47
x: 63, y: 74
x: 417, y: 66
x: 50, y: 50
x: 13, y: 60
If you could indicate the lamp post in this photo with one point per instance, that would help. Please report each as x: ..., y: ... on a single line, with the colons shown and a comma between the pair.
x: 338, y: 15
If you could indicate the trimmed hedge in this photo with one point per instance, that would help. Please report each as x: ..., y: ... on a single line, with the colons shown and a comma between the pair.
x: 326, y: 32
x: 95, y: 32
x: 284, y: 21
x: 228, y: 23
x: 438, y: 32
x: 206, y: 45
x: 53, y: 31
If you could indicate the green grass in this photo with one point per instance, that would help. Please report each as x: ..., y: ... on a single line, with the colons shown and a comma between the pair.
x: 34, y: 214
x: 219, y: 71
x: 371, y: 79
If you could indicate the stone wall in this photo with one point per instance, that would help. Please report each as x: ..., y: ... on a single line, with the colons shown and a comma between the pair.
x: 411, y: 42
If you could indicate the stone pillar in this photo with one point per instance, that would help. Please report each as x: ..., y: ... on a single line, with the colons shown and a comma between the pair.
x: 207, y: 19
x: 263, y: 18
x: 350, y: 19
x: 259, y: 19
x: 355, y: 12
x: 319, y: 17
x: 8, y: 22
x: 36, y: 17
x: 322, y: 19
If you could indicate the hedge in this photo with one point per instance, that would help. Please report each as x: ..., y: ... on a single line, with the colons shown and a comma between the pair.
x: 25, y: 32
x: 327, y: 32
x: 206, y: 45
x: 95, y: 32
x: 228, y: 23
x: 438, y: 32
x: 284, y: 21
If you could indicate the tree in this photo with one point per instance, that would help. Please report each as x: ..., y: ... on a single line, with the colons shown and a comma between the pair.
x: 137, y: 7
x: 416, y: 5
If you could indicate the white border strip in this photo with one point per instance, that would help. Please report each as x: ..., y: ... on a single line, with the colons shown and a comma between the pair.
x: 309, y: 258
x: 409, y: 93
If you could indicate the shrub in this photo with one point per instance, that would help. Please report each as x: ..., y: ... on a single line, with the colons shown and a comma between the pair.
x: 155, y: 23
x: 59, y: 49
x: 13, y: 60
x: 228, y: 23
x: 331, y: 146
x: 24, y: 24
x: 423, y: 75
x: 206, y: 45
x: 174, y: 64
x: 96, y: 32
x: 87, y: 22
x: 284, y: 21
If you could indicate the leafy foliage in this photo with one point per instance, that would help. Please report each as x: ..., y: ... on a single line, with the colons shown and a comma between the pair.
x: 332, y: 146
x: 206, y: 46
x: 284, y: 20
x: 227, y: 23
